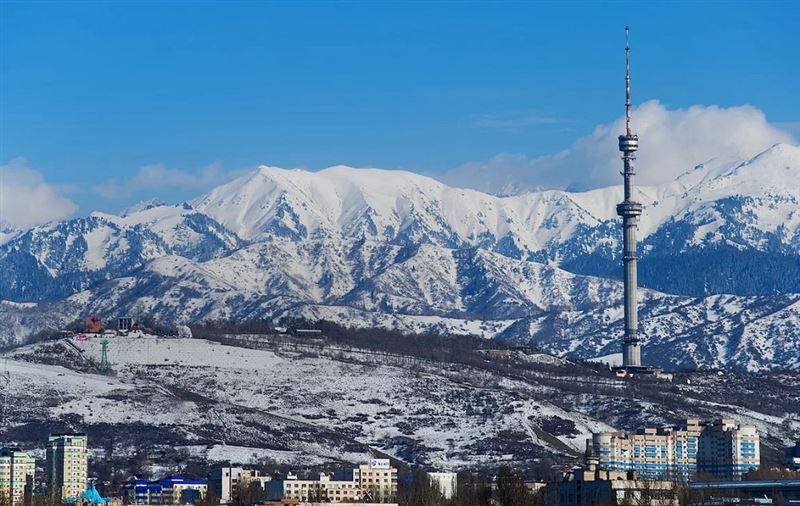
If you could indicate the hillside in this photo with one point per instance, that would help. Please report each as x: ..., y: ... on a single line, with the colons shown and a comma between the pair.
x: 291, y: 402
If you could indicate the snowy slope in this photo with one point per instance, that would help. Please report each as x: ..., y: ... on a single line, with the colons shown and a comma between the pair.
x: 132, y: 411
x: 305, y: 404
x: 435, y: 289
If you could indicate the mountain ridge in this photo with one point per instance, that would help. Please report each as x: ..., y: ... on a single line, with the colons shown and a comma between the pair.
x: 396, y: 249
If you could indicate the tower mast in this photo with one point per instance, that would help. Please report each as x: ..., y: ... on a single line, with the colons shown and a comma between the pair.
x: 630, y: 210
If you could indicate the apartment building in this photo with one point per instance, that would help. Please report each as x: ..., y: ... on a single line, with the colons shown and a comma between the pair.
x: 378, y: 480
x: 728, y: 450
x: 66, y: 465
x: 720, y: 448
x: 228, y: 481
x: 16, y: 469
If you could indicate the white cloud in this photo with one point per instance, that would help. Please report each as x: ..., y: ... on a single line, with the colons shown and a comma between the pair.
x: 156, y: 178
x: 670, y: 142
x: 26, y: 199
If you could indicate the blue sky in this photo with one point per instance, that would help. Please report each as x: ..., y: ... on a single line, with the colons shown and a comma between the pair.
x: 91, y: 92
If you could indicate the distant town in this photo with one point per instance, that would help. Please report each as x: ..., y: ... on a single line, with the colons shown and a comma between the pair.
x: 716, y: 462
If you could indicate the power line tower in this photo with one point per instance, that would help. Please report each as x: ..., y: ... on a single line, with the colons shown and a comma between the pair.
x: 105, y: 366
x: 5, y: 382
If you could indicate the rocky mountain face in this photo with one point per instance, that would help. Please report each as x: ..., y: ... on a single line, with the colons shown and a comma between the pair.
x: 720, y: 249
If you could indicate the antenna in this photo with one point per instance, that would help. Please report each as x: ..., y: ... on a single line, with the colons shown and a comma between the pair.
x: 5, y: 382
x: 628, y: 130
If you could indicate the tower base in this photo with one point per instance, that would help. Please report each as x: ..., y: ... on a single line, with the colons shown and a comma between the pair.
x: 641, y: 371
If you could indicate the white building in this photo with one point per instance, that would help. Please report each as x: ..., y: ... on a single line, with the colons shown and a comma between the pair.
x: 326, y: 489
x: 16, y: 467
x: 227, y: 481
x: 445, y: 483
x: 372, y: 482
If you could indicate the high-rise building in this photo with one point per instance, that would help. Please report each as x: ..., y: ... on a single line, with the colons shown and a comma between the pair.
x: 728, y: 450
x: 721, y: 449
x: 66, y: 466
x: 16, y: 471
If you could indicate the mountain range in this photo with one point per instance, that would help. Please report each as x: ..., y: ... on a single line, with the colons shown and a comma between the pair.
x: 719, y: 248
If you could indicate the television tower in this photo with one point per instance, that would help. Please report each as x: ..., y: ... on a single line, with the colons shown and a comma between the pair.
x: 630, y: 210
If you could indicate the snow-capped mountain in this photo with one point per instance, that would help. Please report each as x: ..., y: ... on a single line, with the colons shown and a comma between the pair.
x: 400, y: 207
x: 396, y: 249
x: 717, y: 209
x: 59, y: 259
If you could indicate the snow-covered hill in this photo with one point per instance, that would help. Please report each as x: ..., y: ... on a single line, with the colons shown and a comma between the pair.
x: 395, y: 249
x: 300, y: 403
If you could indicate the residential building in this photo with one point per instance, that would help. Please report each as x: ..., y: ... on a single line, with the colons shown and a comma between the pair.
x: 727, y: 450
x: 16, y: 471
x: 66, y: 465
x: 228, y: 481
x: 171, y: 490
x: 378, y: 480
x: 375, y: 481
x: 592, y: 486
x: 445, y: 483
x: 328, y: 488
x: 721, y: 448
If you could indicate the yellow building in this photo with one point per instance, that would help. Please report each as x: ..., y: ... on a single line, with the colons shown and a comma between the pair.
x: 378, y: 480
x: 326, y: 488
x: 66, y: 466
x: 16, y: 467
x: 372, y: 482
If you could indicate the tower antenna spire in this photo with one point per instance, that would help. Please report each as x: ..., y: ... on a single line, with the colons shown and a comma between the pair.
x: 628, y: 130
